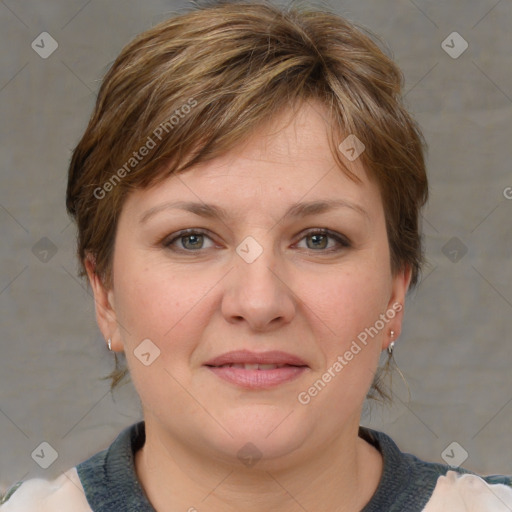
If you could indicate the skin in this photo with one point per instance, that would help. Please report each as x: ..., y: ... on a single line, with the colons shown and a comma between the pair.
x: 305, y: 295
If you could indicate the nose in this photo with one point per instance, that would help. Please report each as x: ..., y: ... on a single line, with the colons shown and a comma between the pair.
x: 258, y: 293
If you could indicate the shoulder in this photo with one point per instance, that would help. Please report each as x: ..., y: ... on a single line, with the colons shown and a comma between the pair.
x: 64, y: 494
x: 466, y: 492
x: 409, y: 483
x: 460, y: 490
x: 107, y: 481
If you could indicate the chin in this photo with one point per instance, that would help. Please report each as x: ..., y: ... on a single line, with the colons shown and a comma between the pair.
x: 267, y: 433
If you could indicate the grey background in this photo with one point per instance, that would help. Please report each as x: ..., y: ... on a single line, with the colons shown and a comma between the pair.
x: 455, y: 348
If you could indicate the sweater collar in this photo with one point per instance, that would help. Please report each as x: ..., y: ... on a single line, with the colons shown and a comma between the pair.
x: 111, y: 484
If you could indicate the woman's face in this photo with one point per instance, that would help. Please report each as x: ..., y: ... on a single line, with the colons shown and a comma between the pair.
x: 269, y: 255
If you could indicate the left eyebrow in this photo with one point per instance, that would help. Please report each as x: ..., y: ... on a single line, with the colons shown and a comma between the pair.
x: 216, y: 212
x: 316, y: 207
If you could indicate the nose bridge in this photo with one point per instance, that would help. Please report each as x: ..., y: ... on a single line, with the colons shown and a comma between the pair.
x: 258, y: 279
x: 255, y: 292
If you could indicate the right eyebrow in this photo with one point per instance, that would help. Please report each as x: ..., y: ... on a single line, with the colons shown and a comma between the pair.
x: 201, y: 209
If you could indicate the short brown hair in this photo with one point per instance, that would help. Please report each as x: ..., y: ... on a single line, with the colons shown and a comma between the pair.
x: 197, y: 85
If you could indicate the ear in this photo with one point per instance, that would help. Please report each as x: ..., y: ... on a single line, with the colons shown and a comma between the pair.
x: 396, y: 305
x: 104, y: 305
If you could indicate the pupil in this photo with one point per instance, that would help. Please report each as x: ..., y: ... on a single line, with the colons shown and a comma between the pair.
x: 193, y: 240
x: 318, y: 238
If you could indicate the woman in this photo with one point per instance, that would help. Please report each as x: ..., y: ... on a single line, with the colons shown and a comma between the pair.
x: 247, y: 196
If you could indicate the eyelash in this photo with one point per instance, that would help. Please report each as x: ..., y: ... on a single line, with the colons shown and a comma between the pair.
x: 342, y: 241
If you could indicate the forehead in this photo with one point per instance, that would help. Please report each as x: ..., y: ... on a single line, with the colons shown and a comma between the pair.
x: 287, y: 159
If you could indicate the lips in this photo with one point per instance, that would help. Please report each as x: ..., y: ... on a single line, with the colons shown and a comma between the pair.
x: 254, y: 366
x: 257, y: 371
x: 249, y: 360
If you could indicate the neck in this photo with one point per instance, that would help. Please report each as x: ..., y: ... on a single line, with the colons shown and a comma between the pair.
x: 340, y: 477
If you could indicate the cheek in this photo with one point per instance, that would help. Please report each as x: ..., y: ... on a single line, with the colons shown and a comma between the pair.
x: 351, y: 308
x: 144, y: 306
x: 166, y: 310
x: 163, y: 305
x: 350, y: 301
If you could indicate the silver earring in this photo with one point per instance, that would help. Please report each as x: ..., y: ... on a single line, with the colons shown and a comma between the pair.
x: 109, y: 344
x: 391, y: 346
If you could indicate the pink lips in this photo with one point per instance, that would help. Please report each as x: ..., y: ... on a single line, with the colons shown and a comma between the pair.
x: 253, y: 370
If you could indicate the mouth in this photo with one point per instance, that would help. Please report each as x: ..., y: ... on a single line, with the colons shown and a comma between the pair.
x: 253, y: 366
x: 256, y: 360
x: 253, y: 370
